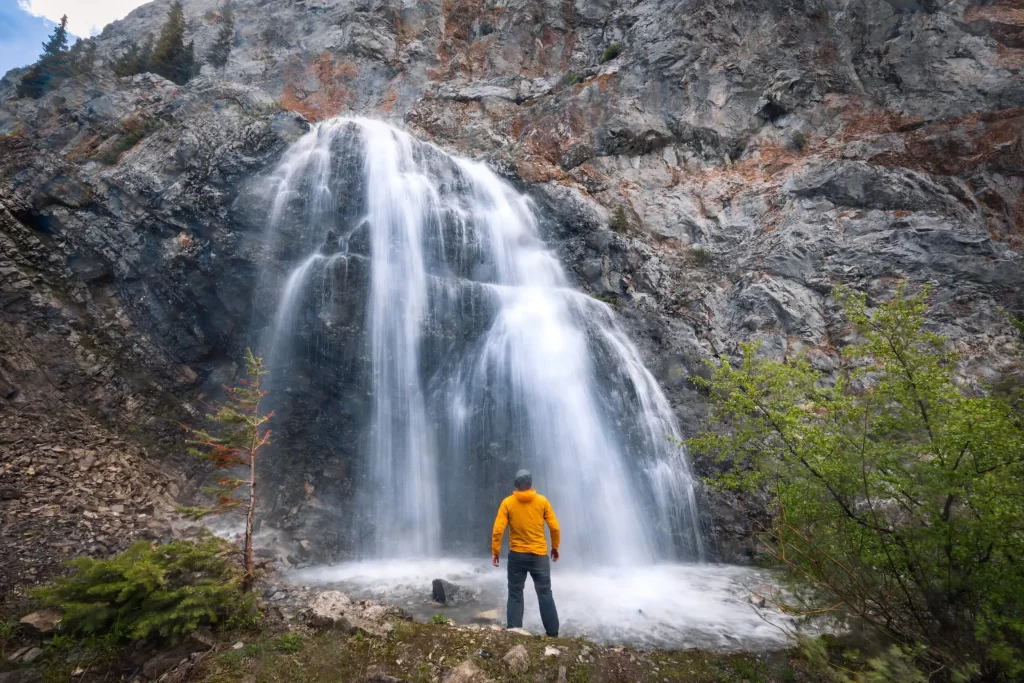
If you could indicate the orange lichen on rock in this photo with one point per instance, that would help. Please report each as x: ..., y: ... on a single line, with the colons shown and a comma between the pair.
x: 329, y: 93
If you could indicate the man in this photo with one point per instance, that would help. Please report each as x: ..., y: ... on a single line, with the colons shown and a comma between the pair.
x: 525, y: 512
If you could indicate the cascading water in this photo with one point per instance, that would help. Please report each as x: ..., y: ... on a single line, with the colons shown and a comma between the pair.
x: 425, y: 275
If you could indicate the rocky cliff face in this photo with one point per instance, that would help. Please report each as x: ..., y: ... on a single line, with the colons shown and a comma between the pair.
x: 715, y: 179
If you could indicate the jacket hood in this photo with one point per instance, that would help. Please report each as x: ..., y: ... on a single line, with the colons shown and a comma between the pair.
x: 525, y: 496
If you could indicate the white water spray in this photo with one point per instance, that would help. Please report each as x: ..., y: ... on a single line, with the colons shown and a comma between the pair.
x: 480, y: 357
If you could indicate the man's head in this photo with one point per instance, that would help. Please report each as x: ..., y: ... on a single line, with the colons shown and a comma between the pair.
x: 523, y: 481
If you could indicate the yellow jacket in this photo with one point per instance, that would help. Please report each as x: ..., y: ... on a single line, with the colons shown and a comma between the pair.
x: 525, y: 513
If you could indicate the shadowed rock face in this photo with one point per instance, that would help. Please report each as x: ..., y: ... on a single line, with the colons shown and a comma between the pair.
x: 750, y: 155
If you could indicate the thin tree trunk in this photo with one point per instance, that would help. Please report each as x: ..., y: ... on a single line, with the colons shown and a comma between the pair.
x: 250, y: 567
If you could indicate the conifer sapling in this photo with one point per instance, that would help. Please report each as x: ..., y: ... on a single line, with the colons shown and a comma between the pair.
x: 239, y: 437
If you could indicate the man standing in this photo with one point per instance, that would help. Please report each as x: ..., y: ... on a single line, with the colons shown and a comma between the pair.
x: 525, y: 512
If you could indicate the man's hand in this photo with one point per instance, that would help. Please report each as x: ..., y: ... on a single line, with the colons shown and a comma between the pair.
x: 494, y: 560
x: 555, y: 555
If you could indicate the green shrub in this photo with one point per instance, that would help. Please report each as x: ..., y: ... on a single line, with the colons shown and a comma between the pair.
x: 701, y: 257
x: 800, y: 140
x: 894, y: 490
x: 150, y: 591
x: 132, y: 132
x: 439, y: 619
x: 571, y: 78
x: 290, y: 642
x: 620, y: 219
x: 611, y: 52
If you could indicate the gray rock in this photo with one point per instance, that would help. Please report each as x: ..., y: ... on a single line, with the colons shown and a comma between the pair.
x: 466, y: 672
x: 448, y: 593
x: 32, y: 655
x: 41, y: 622
x: 517, y: 659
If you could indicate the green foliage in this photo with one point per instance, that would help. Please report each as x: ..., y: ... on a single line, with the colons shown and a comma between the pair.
x: 439, y: 619
x: 620, y: 220
x: 132, y: 132
x: 290, y: 642
x: 53, y: 65
x: 172, y: 58
x: 609, y: 298
x: 800, y: 140
x: 220, y: 51
x: 134, y: 60
x: 150, y: 591
x: 235, y: 444
x: 701, y: 257
x: 895, y: 494
x: 611, y: 52
x: 571, y: 78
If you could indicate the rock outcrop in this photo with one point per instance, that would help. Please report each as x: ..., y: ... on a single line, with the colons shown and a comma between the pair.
x: 714, y: 179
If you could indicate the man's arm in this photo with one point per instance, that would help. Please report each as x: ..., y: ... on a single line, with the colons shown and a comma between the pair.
x: 556, y: 532
x: 500, y: 522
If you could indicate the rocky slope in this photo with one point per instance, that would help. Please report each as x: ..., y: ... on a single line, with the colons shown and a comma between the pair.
x: 716, y: 179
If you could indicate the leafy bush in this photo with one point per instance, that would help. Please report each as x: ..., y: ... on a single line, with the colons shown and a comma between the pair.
x: 132, y: 132
x: 150, y: 591
x: 571, y: 78
x: 895, y: 493
x: 611, y: 52
x: 701, y: 257
x: 620, y: 220
x: 439, y: 619
x: 800, y: 140
x: 290, y: 642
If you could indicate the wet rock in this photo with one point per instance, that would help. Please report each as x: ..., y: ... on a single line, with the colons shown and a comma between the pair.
x: 448, y: 593
x: 41, y: 622
x: 517, y: 659
x: 467, y: 672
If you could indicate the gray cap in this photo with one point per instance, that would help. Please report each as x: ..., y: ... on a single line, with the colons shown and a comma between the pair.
x: 524, y: 479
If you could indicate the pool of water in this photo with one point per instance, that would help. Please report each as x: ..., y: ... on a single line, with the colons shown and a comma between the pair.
x: 672, y: 606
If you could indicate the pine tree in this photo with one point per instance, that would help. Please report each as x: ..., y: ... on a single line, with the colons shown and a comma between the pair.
x: 129, y: 63
x: 237, y: 443
x: 221, y: 49
x: 171, y: 58
x: 52, y: 67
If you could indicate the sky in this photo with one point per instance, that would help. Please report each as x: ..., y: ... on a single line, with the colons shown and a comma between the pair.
x: 25, y: 24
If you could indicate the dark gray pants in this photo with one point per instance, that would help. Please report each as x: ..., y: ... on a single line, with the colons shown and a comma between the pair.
x: 539, y: 568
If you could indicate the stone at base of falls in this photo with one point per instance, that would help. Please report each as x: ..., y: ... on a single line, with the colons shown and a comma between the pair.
x: 334, y: 609
x: 448, y: 593
x: 521, y: 631
x: 517, y: 659
x: 467, y: 672
x: 374, y: 674
x: 41, y: 622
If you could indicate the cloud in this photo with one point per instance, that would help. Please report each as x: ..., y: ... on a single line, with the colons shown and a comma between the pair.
x: 85, y: 17
x: 21, y: 36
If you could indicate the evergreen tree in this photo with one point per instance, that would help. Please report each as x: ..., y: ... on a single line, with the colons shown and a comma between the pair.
x: 240, y: 436
x: 129, y: 63
x: 53, y: 64
x: 221, y: 49
x: 171, y: 58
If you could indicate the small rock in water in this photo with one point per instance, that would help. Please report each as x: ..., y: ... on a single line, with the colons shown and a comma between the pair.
x: 490, y: 615
x: 517, y: 659
x: 448, y: 593
x: 550, y: 651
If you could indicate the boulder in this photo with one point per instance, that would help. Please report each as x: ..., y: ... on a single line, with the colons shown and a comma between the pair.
x: 551, y: 651
x: 448, y: 593
x: 467, y: 672
x: 32, y: 655
x: 517, y: 659
x: 42, y: 622
x: 334, y: 609
x: 326, y: 608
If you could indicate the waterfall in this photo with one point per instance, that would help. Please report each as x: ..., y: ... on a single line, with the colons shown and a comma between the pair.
x: 413, y: 288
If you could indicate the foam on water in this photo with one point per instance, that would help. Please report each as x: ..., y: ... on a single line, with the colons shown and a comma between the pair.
x: 654, y: 606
